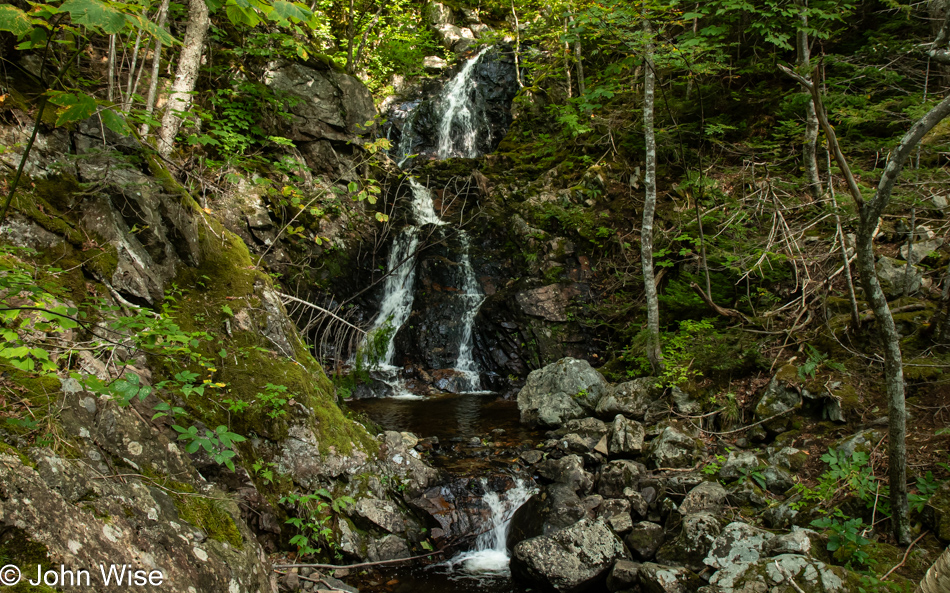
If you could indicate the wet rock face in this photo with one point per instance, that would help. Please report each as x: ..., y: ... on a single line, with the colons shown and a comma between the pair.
x: 570, y: 560
x: 330, y: 109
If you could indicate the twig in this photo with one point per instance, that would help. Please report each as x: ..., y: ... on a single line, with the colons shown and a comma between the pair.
x: 318, y: 581
x: 906, y: 554
x: 749, y: 426
x: 361, y: 565
x: 788, y: 577
x: 321, y: 309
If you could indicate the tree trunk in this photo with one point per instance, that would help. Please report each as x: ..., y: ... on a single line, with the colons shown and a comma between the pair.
x: 156, y: 68
x: 186, y: 74
x: 869, y: 213
x: 810, y: 147
x: 654, y: 352
x: 937, y: 579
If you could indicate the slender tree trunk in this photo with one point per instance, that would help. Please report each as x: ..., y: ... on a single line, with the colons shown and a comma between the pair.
x: 156, y: 68
x: 567, y: 63
x: 579, y: 63
x: 870, y: 212
x: 132, y: 82
x: 810, y: 147
x: 186, y: 75
x: 654, y: 351
x: 514, y: 14
x: 110, y: 93
x: 909, y: 265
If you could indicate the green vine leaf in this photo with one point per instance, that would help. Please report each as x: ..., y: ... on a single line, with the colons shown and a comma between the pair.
x: 14, y: 20
x: 95, y: 14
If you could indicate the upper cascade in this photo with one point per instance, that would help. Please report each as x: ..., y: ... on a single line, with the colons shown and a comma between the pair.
x: 467, y: 118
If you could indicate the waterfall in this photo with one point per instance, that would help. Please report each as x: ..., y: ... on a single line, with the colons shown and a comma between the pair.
x: 472, y: 296
x: 457, y: 126
x: 491, y: 554
x: 457, y: 131
x: 396, y: 303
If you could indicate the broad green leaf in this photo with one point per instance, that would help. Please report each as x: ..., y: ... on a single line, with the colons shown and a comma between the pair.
x: 352, y: 187
x: 14, y: 20
x: 115, y: 122
x: 75, y: 107
x: 284, y: 11
x: 95, y: 14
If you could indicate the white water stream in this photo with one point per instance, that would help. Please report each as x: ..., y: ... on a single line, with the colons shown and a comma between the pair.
x: 491, y: 554
x: 457, y: 135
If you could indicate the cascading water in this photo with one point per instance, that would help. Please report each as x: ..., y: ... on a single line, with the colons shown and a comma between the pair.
x: 458, y: 125
x: 491, y: 554
x: 472, y: 297
x: 396, y: 304
x: 457, y: 137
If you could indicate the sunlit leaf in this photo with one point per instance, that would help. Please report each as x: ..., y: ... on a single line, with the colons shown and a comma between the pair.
x: 95, y: 14
x: 14, y: 20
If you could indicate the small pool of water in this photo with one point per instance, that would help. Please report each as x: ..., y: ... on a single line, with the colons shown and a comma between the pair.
x: 478, y: 432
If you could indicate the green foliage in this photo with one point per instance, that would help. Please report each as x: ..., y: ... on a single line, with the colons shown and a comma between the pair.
x: 314, y: 521
x: 218, y: 443
x: 814, y: 361
x: 846, y: 538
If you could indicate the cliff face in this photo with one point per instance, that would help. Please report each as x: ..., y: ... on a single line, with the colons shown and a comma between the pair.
x: 164, y: 411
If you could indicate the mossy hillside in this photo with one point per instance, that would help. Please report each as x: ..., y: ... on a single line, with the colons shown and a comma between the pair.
x: 226, y: 277
x: 207, y: 514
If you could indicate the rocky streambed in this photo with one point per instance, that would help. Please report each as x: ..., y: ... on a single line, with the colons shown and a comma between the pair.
x: 633, y: 496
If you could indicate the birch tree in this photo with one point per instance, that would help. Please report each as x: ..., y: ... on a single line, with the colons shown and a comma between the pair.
x: 186, y: 74
x: 869, y: 212
x: 654, y: 352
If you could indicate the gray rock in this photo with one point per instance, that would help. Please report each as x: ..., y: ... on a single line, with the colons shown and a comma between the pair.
x: 738, y: 543
x: 632, y: 399
x: 740, y: 464
x: 434, y: 63
x: 685, y: 404
x: 448, y: 35
x: 863, y: 441
x: 673, y: 448
x: 626, y: 436
x: 657, y: 578
x: 707, y: 497
x: 690, y: 547
x: 567, y: 470
x: 382, y: 513
x: 766, y: 575
x: 438, y: 14
x: 390, y: 547
x: 639, y: 505
x: 939, y: 201
x: 560, y: 392
x: 644, y: 539
x: 778, y: 398
x: 893, y: 276
x: 616, y: 477
x: 570, y: 560
x: 624, y: 575
x: 798, y: 541
x: 921, y: 249
x: 547, y: 302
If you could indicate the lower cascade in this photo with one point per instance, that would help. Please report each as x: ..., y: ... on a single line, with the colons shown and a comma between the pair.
x: 490, y: 555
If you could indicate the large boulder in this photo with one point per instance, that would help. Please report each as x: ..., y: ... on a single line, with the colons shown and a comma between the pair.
x: 773, y: 575
x: 559, y: 392
x: 618, y: 476
x: 658, y: 578
x: 777, y: 401
x: 708, y: 497
x: 632, y: 399
x: 738, y: 542
x: 626, y: 436
x: 894, y: 277
x: 690, y: 547
x: 570, y: 560
x: 674, y: 448
x: 330, y: 109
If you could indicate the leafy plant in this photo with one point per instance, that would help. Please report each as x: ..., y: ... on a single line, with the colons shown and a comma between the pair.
x: 846, y: 539
x: 219, y: 443
x: 314, y: 521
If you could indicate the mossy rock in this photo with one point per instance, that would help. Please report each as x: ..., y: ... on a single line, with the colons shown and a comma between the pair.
x: 18, y: 549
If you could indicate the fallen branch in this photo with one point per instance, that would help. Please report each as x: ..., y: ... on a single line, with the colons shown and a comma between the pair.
x: 361, y: 565
x: 329, y: 587
x: 905, y: 309
x: 722, y: 311
x: 906, y: 554
x: 321, y: 309
x: 749, y: 426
